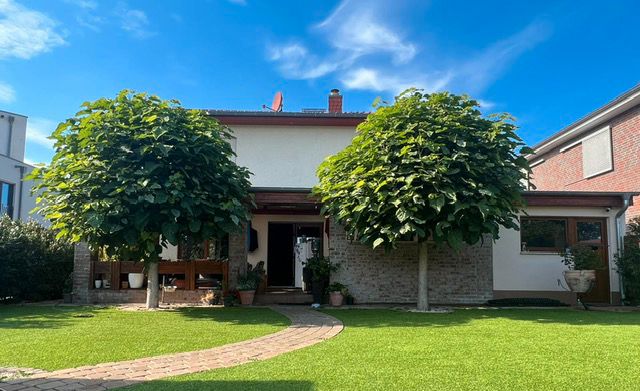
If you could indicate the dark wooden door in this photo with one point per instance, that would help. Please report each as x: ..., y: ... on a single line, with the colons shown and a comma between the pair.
x: 280, y: 255
x: 592, y: 232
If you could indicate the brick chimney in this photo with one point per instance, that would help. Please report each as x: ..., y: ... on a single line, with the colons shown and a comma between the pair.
x: 335, y: 101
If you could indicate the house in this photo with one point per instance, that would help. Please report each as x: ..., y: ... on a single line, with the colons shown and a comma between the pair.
x: 15, y: 193
x: 599, y: 152
x: 283, y: 149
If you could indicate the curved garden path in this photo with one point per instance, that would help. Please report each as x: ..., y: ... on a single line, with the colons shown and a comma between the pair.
x: 307, y: 328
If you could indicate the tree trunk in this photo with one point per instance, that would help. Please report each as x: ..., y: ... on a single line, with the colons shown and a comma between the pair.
x: 423, y: 292
x: 153, y: 281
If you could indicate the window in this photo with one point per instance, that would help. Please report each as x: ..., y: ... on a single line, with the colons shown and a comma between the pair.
x: 543, y: 234
x: 596, y: 153
x: 6, y: 199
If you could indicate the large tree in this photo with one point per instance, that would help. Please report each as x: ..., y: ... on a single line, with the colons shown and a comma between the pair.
x: 429, y: 166
x: 135, y: 173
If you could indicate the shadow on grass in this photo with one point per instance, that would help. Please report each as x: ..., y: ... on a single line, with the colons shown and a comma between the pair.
x: 160, y: 385
x: 235, y: 315
x: 460, y: 317
x: 41, y: 317
x: 226, y: 385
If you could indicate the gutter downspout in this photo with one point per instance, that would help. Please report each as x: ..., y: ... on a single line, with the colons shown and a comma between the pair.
x: 20, y: 187
x: 620, y: 239
x: 11, y: 119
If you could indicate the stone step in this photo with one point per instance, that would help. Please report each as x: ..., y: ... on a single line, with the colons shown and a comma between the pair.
x: 298, y: 297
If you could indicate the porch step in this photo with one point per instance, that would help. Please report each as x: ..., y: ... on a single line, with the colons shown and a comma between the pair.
x: 285, y: 296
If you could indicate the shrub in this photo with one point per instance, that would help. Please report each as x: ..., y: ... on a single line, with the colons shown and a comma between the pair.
x: 628, y: 263
x: 33, y: 263
x: 581, y: 257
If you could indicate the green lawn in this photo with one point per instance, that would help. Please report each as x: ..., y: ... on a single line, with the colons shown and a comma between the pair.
x: 63, y: 337
x: 467, y: 350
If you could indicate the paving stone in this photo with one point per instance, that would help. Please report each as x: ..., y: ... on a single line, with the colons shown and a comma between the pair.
x: 307, y: 328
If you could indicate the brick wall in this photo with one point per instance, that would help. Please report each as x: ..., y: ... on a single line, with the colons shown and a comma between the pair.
x: 563, y: 171
x: 374, y: 276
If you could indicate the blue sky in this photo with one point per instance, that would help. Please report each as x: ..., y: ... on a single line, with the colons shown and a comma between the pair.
x: 546, y: 62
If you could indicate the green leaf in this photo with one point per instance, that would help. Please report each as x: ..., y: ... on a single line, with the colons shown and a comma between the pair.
x: 194, y: 225
x: 377, y: 242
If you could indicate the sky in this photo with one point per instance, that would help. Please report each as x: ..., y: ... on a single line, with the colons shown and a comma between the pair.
x: 548, y: 63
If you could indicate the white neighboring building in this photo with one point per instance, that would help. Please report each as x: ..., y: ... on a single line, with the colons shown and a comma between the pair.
x: 15, y: 193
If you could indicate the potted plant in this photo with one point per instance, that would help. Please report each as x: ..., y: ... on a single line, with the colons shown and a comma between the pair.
x: 321, y: 269
x: 136, y: 280
x: 336, y: 295
x: 247, y: 285
x: 583, y: 261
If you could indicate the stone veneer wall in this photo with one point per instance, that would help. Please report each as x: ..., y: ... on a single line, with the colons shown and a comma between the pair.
x: 81, y: 270
x: 373, y: 276
x: 237, y: 255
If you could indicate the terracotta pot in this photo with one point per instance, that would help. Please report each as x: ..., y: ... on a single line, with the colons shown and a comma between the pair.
x: 246, y: 297
x: 335, y: 298
x: 579, y: 281
x: 136, y: 280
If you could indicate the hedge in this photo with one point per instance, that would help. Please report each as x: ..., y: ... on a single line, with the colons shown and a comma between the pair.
x: 34, y: 265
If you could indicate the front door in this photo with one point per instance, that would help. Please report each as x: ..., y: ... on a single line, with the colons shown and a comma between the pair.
x: 592, y: 232
x: 280, y: 257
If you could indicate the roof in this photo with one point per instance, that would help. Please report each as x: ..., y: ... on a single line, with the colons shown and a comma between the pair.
x: 578, y: 198
x: 622, y: 103
x: 240, y: 117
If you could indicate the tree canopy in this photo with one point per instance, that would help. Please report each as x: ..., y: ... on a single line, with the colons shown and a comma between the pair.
x: 134, y: 173
x: 428, y: 165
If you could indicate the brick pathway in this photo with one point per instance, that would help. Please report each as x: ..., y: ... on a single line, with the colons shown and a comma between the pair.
x: 307, y: 328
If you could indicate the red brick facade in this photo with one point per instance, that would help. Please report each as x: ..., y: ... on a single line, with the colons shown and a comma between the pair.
x: 562, y: 171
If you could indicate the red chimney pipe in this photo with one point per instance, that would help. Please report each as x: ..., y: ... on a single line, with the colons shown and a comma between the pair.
x: 335, y: 101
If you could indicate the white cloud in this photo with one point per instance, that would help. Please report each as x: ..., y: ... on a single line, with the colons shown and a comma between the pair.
x: 376, y: 80
x: 369, y: 53
x: 295, y: 61
x: 92, y: 22
x: 38, y: 129
x: 352, y: 32
x: 25, y: 33
x: 86, y: 4
x: 7, y: 93
x: 481, y: 70
x: 355, y: 30
x: 134, y: 21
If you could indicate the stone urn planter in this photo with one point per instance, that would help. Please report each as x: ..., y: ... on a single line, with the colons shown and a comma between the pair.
x: 579, y: 281
x: 247, y: 296
x: 136, y: 280
x: 336, y: 298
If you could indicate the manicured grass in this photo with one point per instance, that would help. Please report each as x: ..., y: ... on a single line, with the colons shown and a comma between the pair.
x: 466, y: 350
x: 64, y: 337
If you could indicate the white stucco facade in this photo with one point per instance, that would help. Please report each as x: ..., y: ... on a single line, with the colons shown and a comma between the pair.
x: 261, y: 224
x: 515, y: 270
x: 287, y: 156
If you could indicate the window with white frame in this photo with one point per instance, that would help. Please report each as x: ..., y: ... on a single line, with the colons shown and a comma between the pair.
x: 597, y: 157
x: 6, y: 199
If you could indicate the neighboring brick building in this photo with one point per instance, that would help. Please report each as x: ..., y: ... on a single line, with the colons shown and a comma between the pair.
x: 600, y: 152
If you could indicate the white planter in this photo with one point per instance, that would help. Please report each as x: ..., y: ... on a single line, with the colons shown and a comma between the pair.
x: 97, y: 284
x: 136, y: 280
x: 579, y: 281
